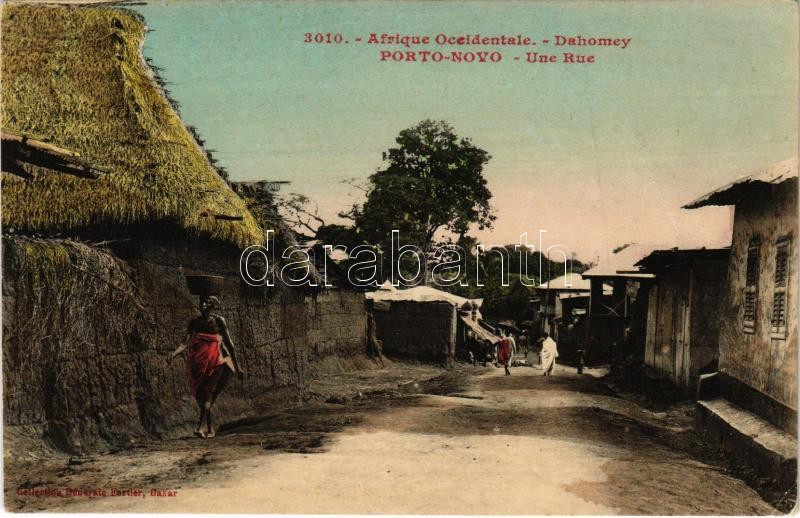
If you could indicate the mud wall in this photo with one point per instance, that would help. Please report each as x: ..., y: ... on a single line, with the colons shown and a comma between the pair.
x: 423, y: 331
x: 87, y: 332
x: 336, y: 329
x: 757, y: 357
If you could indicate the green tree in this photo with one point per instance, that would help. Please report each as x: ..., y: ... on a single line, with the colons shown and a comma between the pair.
x: 432, y: 181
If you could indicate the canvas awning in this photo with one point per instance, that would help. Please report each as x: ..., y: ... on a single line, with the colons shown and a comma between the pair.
x: 479, y: 331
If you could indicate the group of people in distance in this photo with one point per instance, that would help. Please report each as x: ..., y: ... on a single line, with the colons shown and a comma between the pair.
x: 505, y: 349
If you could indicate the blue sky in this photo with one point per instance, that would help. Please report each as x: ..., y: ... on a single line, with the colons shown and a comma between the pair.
x: 596, y: 154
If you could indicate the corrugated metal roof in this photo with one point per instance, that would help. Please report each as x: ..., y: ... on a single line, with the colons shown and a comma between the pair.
x: 734, y: 192
x: 571, y: 281
x: 622, y: 263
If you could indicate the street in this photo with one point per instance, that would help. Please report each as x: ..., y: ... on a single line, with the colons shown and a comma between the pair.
x: 523, y: 444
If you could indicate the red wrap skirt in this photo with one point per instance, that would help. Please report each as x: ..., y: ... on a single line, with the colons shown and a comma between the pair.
x: 504, y: 351
x: 204, y: 362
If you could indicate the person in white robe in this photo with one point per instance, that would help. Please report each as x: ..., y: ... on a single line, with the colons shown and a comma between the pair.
x: 549, y: 354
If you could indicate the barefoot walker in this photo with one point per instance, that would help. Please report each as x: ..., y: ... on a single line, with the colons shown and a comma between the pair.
x: 211, y: 359
x: 504, y: 353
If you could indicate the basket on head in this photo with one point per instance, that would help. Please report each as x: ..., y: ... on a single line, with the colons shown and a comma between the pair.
x: 204, y: 285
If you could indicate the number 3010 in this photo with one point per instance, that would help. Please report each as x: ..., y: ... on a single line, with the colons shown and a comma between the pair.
x: 323, y: 38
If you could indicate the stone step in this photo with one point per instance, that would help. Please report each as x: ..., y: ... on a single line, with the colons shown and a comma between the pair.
x: 748, y: 437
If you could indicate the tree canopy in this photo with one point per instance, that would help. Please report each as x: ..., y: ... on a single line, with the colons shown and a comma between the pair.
x: 432, y: 180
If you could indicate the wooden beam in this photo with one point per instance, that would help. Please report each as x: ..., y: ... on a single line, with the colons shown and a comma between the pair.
x: 18, y: 149
x: 25, y: 140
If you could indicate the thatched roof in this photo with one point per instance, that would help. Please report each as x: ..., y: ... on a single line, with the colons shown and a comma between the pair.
x: 75, y: 77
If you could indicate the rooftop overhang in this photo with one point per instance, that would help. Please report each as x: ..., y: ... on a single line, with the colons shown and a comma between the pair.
x: 662, y: 260
x: 743, y: 188
x: 619, y: 275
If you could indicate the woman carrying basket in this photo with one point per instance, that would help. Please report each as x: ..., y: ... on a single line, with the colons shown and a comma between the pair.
x: 210, y: 360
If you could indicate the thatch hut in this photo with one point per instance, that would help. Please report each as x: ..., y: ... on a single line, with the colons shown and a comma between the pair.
x: 94, y: 294
x: 75, y: 77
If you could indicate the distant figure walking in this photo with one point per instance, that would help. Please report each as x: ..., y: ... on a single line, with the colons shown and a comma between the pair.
x: 510, y: 337
x: 210, y: 359
x: 523, y: 343
x: 549, y: 354
x: 504, y: 353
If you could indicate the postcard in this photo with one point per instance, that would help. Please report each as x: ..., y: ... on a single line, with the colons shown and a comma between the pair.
x: 406, y: 258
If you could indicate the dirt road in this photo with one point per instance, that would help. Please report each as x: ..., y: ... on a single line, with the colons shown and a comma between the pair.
x: 485, y: 444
